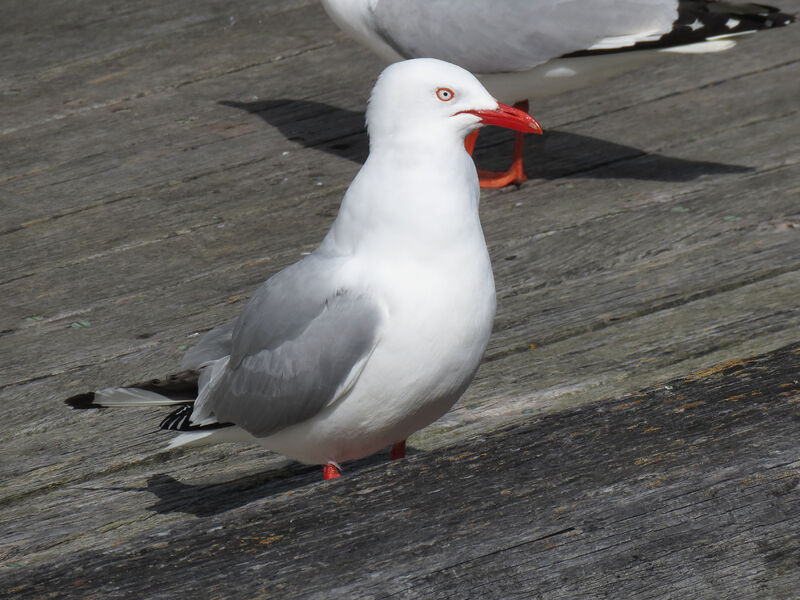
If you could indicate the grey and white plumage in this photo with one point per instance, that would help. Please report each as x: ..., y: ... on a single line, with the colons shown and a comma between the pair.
x: 524, y: 49
x: 377, y: 332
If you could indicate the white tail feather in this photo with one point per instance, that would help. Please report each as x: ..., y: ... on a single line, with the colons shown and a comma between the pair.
x: 191, y: 438
x: 701, y: 47
x: 210, y: 437
x: 115, y: 397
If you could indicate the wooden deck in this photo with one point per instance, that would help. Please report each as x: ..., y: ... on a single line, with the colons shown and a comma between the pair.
x: 159, y: 160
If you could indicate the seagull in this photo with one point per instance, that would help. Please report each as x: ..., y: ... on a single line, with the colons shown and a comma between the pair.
x: 523, y: 50
x: 378, y: 331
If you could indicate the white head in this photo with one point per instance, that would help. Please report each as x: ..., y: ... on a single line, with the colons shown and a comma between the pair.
x: 426, y: 97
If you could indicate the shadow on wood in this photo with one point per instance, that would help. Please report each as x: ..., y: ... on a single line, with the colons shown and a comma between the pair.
x: 214, y: 498
x: 688, y: 488
x: 554, y: 155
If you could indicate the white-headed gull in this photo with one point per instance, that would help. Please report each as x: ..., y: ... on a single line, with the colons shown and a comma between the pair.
x: 527, y: 49
x: 380, y: 330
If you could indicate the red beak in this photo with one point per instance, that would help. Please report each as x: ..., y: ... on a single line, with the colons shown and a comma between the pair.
x: 508, y: 117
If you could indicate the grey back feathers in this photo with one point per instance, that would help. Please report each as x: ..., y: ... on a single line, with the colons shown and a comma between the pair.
x: 287, y: 359
x: 214, y: 345
x: 284, y: 306
x: 269, y: 383
x: 516, y: 35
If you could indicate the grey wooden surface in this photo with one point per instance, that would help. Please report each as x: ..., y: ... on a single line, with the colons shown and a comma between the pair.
x: 159, y: 160
x: 685, y: 490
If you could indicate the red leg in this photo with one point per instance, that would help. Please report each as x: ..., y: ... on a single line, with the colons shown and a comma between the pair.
x: 515, y: 173
x: 398, y: 451
x: 469, y: 141
x: 330, y: 471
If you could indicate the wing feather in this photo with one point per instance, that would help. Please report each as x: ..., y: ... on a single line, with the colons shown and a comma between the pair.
x: 294, y: 351
x: 486, y: 36
x: 214, y: 345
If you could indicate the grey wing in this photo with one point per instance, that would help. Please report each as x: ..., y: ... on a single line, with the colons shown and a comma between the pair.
x: 487, y: 36
x: 284, y: 306
x: 278, y: 310
x: 273, y: 380
x: 215, y: 344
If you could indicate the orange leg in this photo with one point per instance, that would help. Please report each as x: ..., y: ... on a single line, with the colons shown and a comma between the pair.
x: 330, y: 471
x: 469, y: 141
x: 515, y: 173
x: 398, y: 451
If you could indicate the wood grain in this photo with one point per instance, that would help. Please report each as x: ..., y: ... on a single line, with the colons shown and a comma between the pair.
x: 158, y: 161
x: 688, y: 488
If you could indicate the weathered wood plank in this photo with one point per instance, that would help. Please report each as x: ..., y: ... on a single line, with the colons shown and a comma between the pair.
x: 690, y: 487
x: 723, y: 214
x: 658, y: 235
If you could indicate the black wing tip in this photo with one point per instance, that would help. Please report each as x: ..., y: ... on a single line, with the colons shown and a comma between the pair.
x: 180, y: 419
x: 714, y: 16
x: 772, y: 17
x: 82, y: 401
x: 702, y: 21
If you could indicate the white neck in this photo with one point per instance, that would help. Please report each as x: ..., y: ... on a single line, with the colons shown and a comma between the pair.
x: 429, y: 198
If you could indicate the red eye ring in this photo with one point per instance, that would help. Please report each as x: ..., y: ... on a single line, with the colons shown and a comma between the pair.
x: 445, y: 94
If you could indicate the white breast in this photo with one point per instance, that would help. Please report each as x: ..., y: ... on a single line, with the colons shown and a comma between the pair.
x: 440, y: 316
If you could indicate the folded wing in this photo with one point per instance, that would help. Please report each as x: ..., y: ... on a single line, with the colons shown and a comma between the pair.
x: 486, y: 36
x: 298, y: 347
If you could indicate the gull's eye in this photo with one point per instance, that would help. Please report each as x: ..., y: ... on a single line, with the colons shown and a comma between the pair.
x: 445, y: 94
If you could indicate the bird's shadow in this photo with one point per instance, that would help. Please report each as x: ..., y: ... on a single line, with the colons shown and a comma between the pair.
x: 209, y: 499
x: 554, y: 155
